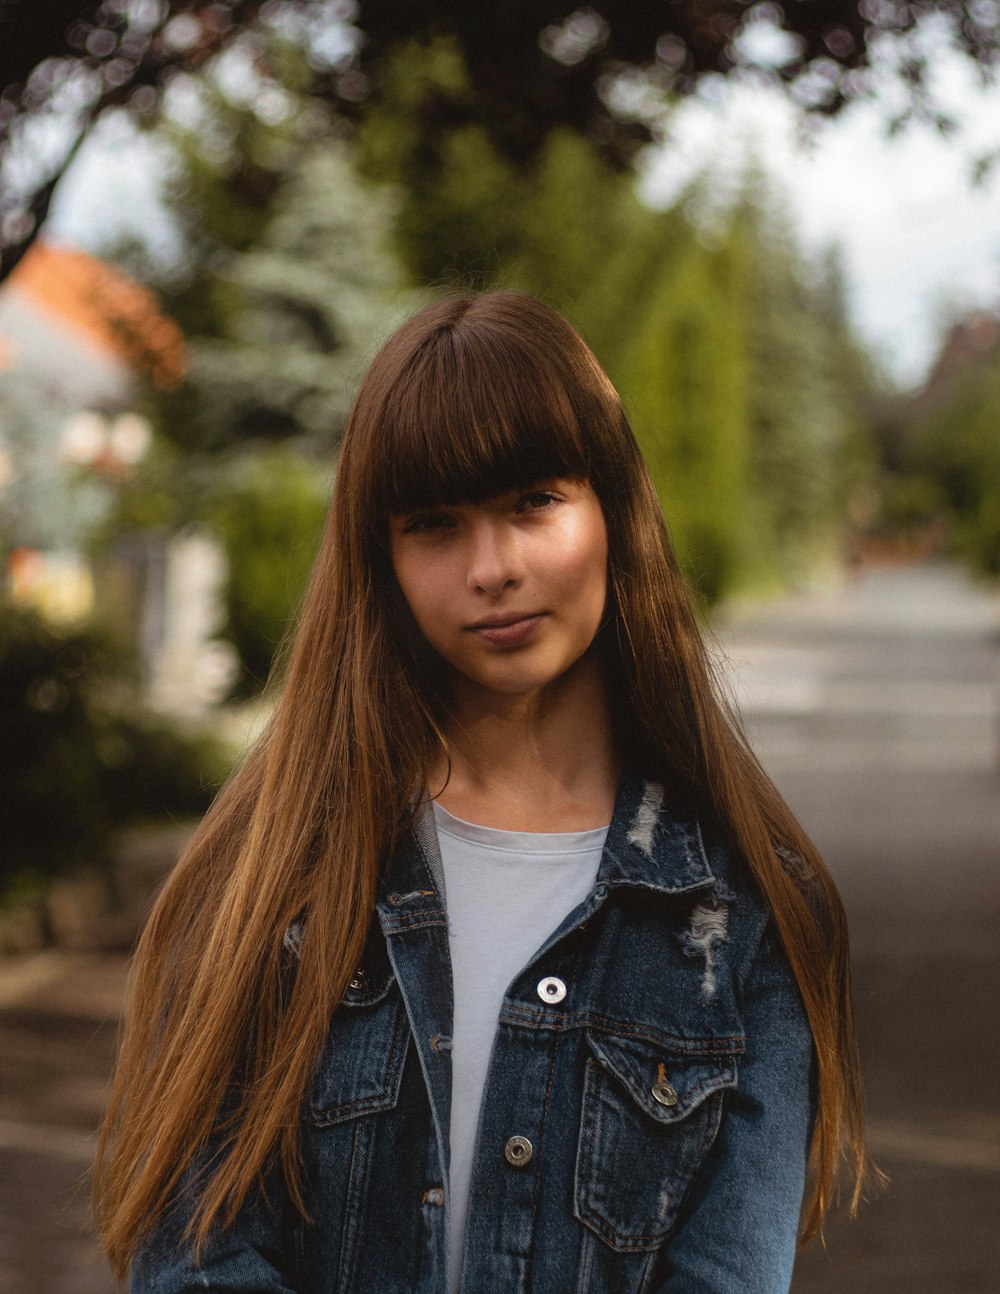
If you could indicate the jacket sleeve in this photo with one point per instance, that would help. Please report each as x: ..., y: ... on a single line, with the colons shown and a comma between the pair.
x: 251, y: 1257
x: 736, y: 1233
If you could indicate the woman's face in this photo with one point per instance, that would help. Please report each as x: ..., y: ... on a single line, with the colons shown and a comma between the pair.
x: 510, y: 592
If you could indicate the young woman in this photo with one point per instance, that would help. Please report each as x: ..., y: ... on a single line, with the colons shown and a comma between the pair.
x: 499, y: 965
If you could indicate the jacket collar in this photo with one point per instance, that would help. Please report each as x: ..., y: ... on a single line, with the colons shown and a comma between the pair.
x: 649, y: 846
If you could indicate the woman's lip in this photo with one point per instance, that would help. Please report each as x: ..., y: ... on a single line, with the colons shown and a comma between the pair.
x: 511, y: 634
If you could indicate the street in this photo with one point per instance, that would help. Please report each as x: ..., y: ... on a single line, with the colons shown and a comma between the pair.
x: 875, y: 708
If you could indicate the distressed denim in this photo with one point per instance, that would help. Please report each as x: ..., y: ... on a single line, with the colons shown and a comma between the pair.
x: 666, y: 1097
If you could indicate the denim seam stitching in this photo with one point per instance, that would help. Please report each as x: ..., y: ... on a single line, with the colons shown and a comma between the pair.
x: 531, y: 1017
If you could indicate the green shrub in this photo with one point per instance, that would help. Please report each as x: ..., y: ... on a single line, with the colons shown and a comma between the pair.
x: 72, y: 766
x: 269, y: 520
x: 149, y: 770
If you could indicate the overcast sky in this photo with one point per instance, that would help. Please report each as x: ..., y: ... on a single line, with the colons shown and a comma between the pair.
x: 921, y: 242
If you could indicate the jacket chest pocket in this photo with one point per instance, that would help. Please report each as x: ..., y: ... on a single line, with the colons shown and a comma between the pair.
x: 361, y: 1067
x: 649, y: 1117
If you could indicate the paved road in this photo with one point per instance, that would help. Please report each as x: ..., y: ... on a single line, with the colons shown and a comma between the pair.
x: 875, y: 709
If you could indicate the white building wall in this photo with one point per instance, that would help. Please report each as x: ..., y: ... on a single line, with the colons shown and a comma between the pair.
x: 188, y: 669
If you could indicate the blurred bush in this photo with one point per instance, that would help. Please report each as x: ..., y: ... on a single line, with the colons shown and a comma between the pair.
x: 910, y: 503
x: 149, y: 769
x: 269, y: 516
x: 957, y: 448
x: 74, y: 763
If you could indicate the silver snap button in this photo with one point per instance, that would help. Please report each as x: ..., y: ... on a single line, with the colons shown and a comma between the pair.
x: 551, y: 989
x: 518, y: 1151
x: 664, y: 1093
x: 358, y: 981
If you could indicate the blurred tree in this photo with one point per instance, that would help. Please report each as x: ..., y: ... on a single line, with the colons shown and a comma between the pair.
x: 282, y: 323
x: 684, y: 379
x: 570, y: 227
x: 459, y: 197
x: 857, y: 382
x: 269, y: 518
x: 51, y: 813
x: 467, y: 214
x: 604, y: 70
x: 808, y: 385
x: 577, y: 216
x: 290, y: 319
x: 957, y: 450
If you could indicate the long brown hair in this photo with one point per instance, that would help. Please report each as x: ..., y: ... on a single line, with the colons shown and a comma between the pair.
x: 472, y: 396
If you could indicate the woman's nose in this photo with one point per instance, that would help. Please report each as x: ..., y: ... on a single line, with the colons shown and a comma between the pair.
x: 494, y: 560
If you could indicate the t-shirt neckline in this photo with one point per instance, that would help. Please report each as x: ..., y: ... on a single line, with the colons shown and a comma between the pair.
x: 521, y: 842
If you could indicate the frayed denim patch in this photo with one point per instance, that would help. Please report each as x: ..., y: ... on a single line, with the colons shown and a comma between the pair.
x: 706, y: 930
x: 643, y: 826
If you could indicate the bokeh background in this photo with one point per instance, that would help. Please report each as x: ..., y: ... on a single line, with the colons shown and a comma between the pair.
x: 779, y: 228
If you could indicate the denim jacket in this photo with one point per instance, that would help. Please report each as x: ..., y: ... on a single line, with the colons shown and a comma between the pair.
x: 643, y: 1132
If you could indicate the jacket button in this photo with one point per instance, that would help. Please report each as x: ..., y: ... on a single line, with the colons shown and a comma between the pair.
x: 358, y: 981
x: 551, y: 989
x: 518, y: 1151
x: 664, y: 1093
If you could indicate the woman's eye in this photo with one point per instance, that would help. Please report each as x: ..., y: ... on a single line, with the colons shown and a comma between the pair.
x: 429, y: 521
x: 537, y: 500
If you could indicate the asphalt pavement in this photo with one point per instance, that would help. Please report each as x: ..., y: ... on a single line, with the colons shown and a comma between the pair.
x: 875, y: 707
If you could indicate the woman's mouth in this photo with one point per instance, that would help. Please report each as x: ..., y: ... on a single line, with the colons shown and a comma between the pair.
x: 507, y: 631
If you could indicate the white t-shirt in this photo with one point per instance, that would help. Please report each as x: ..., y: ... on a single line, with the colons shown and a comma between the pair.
x: 506, y: 891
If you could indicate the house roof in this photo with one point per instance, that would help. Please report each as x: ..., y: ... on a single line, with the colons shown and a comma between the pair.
x: 970, y: 342
x: 103, y: 304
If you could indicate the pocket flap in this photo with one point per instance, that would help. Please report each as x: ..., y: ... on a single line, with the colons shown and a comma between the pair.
x: 361, y: 1067
x: 666, y: 1086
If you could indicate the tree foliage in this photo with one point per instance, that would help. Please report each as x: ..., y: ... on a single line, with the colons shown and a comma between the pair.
x: 281, y: 328
x: 809, y: 388
x: 684, y: 378
x: 604, y: 70
x: 957, y: 450
x: 269, y: 519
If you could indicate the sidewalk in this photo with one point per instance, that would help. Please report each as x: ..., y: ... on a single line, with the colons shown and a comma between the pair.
x: 59, y: 1012
x: 58, y: 1022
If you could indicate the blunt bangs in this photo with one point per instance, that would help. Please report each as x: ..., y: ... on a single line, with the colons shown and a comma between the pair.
x: 476, y: 413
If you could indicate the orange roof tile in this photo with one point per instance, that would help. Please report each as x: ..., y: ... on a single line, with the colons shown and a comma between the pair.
x: 106, y: 306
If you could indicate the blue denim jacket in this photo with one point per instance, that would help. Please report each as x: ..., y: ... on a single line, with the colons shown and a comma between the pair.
x: 646, y: 1132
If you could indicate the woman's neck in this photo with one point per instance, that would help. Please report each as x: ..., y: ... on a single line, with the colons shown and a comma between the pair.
x: 543, y: 762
